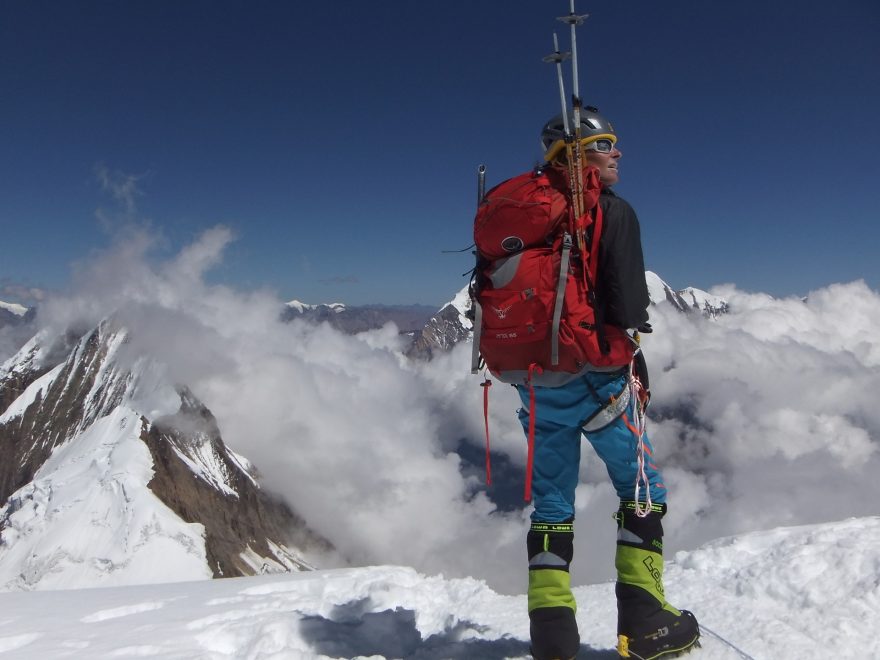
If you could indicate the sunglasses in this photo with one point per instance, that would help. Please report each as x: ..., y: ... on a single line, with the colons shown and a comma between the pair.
x: 603, y: 146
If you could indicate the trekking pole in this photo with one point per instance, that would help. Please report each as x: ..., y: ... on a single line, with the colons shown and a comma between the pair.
x: 477, y: 309
x: 573, y: 21
x: 557, y: 57
x: 478, y: 322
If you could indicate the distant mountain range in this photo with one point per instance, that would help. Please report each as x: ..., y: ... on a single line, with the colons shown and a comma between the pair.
x: 409, y: 319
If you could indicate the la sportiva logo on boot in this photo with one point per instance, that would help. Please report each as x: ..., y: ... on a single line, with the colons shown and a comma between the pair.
x: 655, y: 572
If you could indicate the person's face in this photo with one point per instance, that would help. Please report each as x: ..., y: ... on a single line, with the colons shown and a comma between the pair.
x: 606, y: 163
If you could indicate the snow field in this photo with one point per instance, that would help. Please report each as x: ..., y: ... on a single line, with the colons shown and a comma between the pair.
x: 799, y: 592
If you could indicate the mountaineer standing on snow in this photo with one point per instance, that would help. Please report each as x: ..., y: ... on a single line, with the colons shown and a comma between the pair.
x: 558, y: 312
x: 564, y: 413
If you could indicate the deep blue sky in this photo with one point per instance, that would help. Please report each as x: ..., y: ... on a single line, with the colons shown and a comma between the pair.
x: 340, y: 139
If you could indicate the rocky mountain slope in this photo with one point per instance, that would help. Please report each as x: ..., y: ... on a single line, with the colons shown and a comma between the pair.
x: 102, y: 460
x: 449, y: 326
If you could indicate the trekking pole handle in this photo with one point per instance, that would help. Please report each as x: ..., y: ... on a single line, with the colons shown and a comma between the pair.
x: 481, y: 183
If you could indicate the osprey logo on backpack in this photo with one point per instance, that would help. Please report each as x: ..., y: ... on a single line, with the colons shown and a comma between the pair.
x: 501, y: 312
x: 543, y: 328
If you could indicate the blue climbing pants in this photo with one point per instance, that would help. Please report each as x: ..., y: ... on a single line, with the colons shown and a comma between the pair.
x: 561, y: 413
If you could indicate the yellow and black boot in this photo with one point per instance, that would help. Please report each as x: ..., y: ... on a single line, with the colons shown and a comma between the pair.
x: 553, y: 628
x: 648, y: 627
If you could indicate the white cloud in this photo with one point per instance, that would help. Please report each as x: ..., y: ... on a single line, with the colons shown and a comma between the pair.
x: 768, y: 410
x: 358, y: 439
x: 122, y: 188
x: 765, y: 416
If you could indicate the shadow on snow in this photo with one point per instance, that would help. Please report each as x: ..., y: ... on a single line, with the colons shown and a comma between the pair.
x: 351, y: 632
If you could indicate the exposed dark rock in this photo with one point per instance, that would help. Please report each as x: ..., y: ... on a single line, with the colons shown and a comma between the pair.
x: 442, y: 331
x: 56, y: 413
x: 239, y: 518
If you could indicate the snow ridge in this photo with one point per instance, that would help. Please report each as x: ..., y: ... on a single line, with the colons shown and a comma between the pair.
x: 89, y: 507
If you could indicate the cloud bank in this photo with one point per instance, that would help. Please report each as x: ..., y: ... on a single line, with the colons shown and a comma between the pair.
x: 767, y: 416
x: 760, y: 418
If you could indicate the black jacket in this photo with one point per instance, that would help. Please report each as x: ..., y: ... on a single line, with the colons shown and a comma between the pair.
x: 621, y: 289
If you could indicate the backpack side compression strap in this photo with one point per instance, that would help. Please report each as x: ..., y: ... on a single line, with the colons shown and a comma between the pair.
x: 478, y: 326
x: 560, y: 296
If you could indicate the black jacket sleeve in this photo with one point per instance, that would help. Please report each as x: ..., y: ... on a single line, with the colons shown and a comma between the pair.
x: 621, y: 288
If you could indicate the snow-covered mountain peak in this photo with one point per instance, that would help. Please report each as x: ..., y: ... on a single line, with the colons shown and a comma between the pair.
x: 14, y: 308
x: 657, y: 288
x: 302, y: 307
x: 689, y: 299
x: 105, y: 464
x: 27, y: 359
x: 707, y: 303
x: 68, y: 527
x: 462, y: 302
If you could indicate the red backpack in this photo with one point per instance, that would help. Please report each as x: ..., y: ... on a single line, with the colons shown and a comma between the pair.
x: 535, y: 319
x: 534, y: 289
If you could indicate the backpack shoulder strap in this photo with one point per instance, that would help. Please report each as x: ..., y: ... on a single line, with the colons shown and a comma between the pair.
x: 560, y: 297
